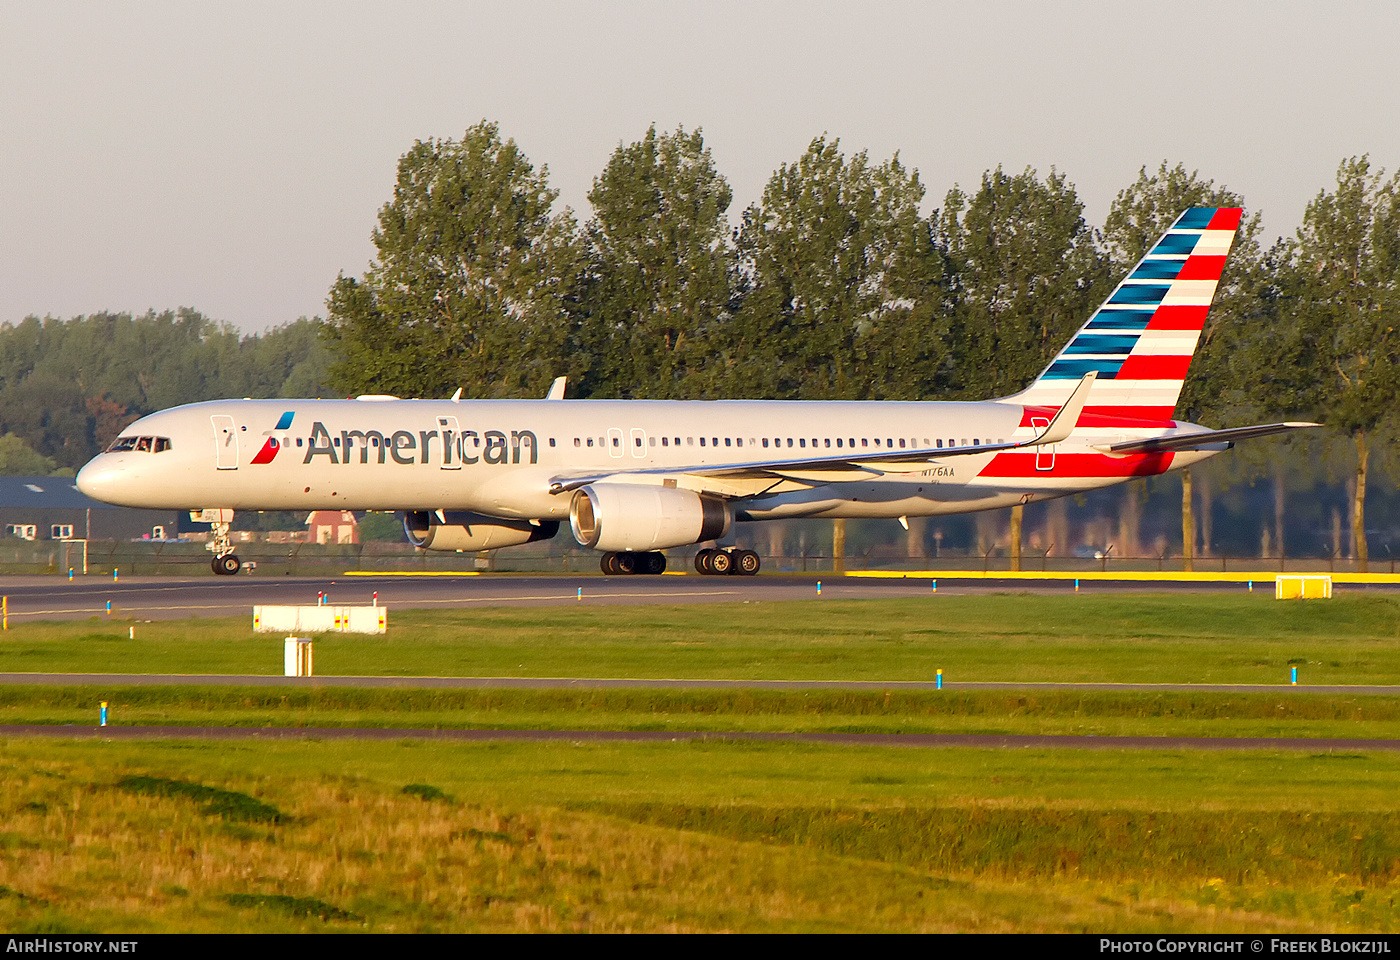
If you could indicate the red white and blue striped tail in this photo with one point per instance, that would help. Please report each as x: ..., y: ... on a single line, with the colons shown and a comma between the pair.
x: 1141, y: 340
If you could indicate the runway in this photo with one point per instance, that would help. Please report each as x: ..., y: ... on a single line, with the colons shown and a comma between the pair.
x: 33, y: 598
x: 926, y: 740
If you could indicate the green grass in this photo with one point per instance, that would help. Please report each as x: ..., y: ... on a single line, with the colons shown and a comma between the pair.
x: 1186, y: 638
x: 416, y: 836
x: 425, y: 836
x: 1100, y: 713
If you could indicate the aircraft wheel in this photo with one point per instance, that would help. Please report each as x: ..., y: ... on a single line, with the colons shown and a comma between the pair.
x: 227, y: 565
x: 626, y: 562
x: 609, y: 564
x: 653, y: 563
x: 702, y: 562
x: 747, y: 563
x: 721, y: 563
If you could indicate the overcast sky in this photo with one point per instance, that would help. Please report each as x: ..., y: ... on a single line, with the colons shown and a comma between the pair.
x: 233, y: 157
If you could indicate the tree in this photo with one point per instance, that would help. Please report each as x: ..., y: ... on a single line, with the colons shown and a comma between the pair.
x: 472, y: 282
x: 1227, y: 378
x: 661, y: 265
x: 1346, y: 286
x: 1027, y: 273
x: 68, y: 387
x: 846, y: 298
x: 18, y: 459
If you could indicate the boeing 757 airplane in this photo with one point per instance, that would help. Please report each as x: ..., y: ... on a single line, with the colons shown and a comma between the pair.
x: 633, y: 478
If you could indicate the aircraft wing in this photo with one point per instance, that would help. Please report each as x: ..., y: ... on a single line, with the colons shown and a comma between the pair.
x: 1204, y: 438
x: 825, y: 469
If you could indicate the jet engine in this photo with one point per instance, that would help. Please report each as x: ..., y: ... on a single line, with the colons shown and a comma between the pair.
x: 637, y: 517
x: 462, y: 530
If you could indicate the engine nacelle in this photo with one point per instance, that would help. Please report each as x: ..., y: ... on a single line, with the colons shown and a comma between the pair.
x: 472, y: 531
x: 633, y: 516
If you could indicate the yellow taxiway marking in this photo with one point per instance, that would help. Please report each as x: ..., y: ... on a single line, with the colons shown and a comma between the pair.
x: 1147, y: 576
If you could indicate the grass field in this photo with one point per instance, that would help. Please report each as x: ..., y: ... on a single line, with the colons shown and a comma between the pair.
x: 426, y: 836
x: 1187, y: 638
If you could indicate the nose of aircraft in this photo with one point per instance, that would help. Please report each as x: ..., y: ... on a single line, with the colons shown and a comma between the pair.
x: 101, y: 479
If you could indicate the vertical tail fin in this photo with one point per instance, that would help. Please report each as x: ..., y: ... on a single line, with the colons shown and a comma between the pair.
x: 1141, y: 340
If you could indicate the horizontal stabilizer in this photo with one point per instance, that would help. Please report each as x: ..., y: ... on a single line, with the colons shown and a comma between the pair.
x: 1192, y: 441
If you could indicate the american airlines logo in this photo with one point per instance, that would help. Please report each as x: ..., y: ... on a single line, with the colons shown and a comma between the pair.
x: 271, y: 446
x: 448, y: 446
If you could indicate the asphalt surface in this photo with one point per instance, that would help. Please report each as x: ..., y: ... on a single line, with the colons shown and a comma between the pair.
x: 168, y: 598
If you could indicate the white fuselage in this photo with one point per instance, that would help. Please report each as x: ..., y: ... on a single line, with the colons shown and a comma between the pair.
x: 500, y: 457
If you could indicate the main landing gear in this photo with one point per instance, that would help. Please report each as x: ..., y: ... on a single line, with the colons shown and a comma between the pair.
x: 627, y: 562
x: 736, y: 562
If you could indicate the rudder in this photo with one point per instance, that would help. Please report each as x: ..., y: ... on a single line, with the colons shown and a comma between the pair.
x: 1141, y: 340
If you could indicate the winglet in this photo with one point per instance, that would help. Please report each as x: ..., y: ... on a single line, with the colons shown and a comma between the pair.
x: 1064, y: 421
x: 556, y: 389
x: 457, y: 397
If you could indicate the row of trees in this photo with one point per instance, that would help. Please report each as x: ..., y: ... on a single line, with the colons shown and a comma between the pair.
x: 835, y: 285
x: 67, y: 387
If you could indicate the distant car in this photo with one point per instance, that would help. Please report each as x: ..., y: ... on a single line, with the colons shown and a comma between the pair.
x: 1090, y: 553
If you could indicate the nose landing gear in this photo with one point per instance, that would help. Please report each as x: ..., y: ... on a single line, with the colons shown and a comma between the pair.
x: 227, y: 565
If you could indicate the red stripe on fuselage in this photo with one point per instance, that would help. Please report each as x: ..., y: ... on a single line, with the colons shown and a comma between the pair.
x: 1072, y: 465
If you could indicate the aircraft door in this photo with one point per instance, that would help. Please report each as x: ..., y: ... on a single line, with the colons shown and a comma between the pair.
x: 225, y: 442
x: 639, y: 442
x: 1045, y: 453
x: 614, y: 442
x: 451, y: 439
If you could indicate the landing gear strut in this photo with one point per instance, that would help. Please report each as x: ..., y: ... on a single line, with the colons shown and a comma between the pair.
x: 734, y: 561
x: 225, y: 563
x: 626, y: 562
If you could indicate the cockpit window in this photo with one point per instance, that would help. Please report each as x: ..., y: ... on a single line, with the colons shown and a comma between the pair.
x: 140, y: 444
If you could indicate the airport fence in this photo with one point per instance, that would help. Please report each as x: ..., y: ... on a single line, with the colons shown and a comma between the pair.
x: 185, y: 558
